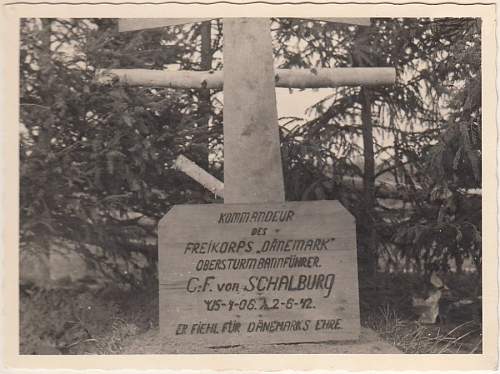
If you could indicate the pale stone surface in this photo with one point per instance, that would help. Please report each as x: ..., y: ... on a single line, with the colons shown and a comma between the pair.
x: 62, y: 266
x: 67, y: 264
x: 34, y: 265
x: 369, y: 342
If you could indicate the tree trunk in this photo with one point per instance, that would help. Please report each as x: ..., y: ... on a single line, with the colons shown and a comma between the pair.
x: 204, y: 93
x: 369, y: 236
x: 43, y: 143
x: 45, y: 59
x: 459, y: 263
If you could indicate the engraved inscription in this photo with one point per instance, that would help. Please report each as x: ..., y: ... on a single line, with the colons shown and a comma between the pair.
x: 270, y: 273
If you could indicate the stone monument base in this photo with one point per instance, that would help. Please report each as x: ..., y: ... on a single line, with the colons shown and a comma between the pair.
x: 368, y: 343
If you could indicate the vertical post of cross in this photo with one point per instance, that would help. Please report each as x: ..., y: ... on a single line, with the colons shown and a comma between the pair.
x: 204, y: 93
x: 252, y: 158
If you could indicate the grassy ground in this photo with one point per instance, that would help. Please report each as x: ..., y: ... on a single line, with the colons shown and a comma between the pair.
x: 114, y: 321
x: 386, y: 307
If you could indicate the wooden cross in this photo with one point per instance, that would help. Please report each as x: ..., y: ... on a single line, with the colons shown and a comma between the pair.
x: 252, y: 160
x: 253, y: 180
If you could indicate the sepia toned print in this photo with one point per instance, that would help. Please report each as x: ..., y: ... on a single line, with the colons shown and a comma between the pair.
x: 252, y: 185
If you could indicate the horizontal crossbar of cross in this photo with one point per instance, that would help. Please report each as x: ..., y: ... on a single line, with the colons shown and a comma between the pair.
x: 252, y: 160
x: 134, y: 24
x: 289, y: 78
x: 385, y: 189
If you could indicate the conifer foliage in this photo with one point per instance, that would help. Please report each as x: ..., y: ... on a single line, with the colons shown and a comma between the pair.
x: 96, y: 161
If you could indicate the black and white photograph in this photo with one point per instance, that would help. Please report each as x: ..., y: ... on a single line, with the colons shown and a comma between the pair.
x: 253, y: 185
